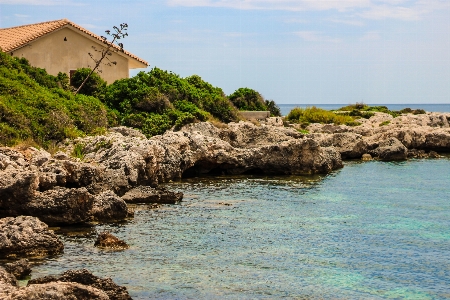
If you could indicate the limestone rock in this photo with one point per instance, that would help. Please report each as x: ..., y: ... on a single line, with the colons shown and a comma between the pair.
x: 390, y: 149
x: 109, y: 241
x: 146, y: 194
x: 20, y: 269
x: 366, y: 157
x: 108, y: 207
x: 61, y: 206
x: 26, y: 236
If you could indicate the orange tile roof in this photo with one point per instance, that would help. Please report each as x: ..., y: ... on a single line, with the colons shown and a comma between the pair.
x: 16, y: 37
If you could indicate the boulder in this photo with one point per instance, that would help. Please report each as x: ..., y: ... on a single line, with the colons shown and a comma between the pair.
x: 109, y: 241
x: 20, y: 269
x: 147, y: 194
x: 108, y: 207
x: 26, y: 236
x: 61, y: 206
x: 86, y: 279
x: 390, y: 149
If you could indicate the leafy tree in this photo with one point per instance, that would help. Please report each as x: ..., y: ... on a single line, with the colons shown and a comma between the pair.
x: 273, y: 108
x: 248, y: 99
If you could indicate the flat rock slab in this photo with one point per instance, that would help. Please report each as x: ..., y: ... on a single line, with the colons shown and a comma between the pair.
x: 147, y: 194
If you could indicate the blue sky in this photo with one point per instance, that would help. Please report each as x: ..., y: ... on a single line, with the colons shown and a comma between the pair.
x: 291, y: 51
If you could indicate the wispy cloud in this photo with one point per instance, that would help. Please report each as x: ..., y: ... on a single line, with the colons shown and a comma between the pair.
x: 315, y: 36
x: 39, y: 2
x: 288, y: 5
x: 363, y: 9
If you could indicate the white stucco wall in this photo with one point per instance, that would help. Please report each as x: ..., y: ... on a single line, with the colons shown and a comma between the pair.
x: 55, y: 55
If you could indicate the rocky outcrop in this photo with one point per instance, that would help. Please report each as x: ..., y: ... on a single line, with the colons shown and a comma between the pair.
x: 85, y: 279
x: 201, y: 148
x: 108, y: 241
x: 26, y: 236
x: 20, y: 269
x: 379, y: 135
x: 73, y: 284
x: 147, y: 194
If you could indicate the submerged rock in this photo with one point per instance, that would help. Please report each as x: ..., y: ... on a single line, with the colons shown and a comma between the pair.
x: 26, y: 236
x: 102, y: 286
x: 109, y: 241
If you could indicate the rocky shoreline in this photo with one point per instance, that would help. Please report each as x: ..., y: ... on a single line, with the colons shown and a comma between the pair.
x: 93, y: 179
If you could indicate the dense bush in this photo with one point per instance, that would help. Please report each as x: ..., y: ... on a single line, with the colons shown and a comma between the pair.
x: 33, y: 107
x: 248, y: 99
x: 158, y: 100
x: 318, y: 115
x: 95, y: 86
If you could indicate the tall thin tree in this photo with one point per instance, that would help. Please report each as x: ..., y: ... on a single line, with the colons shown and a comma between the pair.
x: 119, y: 33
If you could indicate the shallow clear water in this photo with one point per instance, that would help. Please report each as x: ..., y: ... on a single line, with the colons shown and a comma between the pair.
x: 371, y: 230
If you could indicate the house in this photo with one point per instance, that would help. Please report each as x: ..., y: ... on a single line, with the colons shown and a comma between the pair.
x: 63, y: 46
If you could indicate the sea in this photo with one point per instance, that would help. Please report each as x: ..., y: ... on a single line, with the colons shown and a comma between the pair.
x: 371, y: 230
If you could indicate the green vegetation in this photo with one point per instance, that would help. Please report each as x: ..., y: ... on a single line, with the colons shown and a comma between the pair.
x: 318, y: 115
x: 94, y: 86
x: 159, y: 100
x: 41, y: 109
x: 248, y: 99
x: 366, y: 111
x: 385, y: 123
x: 34, y: 106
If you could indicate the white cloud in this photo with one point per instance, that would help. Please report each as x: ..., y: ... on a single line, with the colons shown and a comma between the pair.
x: 315, y: 36
x: 288, y: 5
x: 38, y: 2
x: 365, y: 9
x: 390, y: 12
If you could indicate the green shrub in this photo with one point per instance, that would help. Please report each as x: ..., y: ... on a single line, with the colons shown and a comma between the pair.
x: 33, y: 107
x: 384, y: 123
x: 317, y: 115
x: 94, y: 86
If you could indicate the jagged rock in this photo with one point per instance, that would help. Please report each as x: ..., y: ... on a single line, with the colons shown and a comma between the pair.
x: 85, y: 278
x: 61, y: 206
x: 16, y: 188
x: 109, y: 207
x: 274, y: 121
x: 8, y: 284
x: 434, y: 154
x: 349, y: 144
x: 26, y: 236
x: 390, y: 149
x: 20, y: 269
x: 366, y: 157
x: 147, y: 194
x: 127, y: 131
x: 109, y: 241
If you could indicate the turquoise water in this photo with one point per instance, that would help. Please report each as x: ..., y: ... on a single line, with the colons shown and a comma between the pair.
x: 372, y: 230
